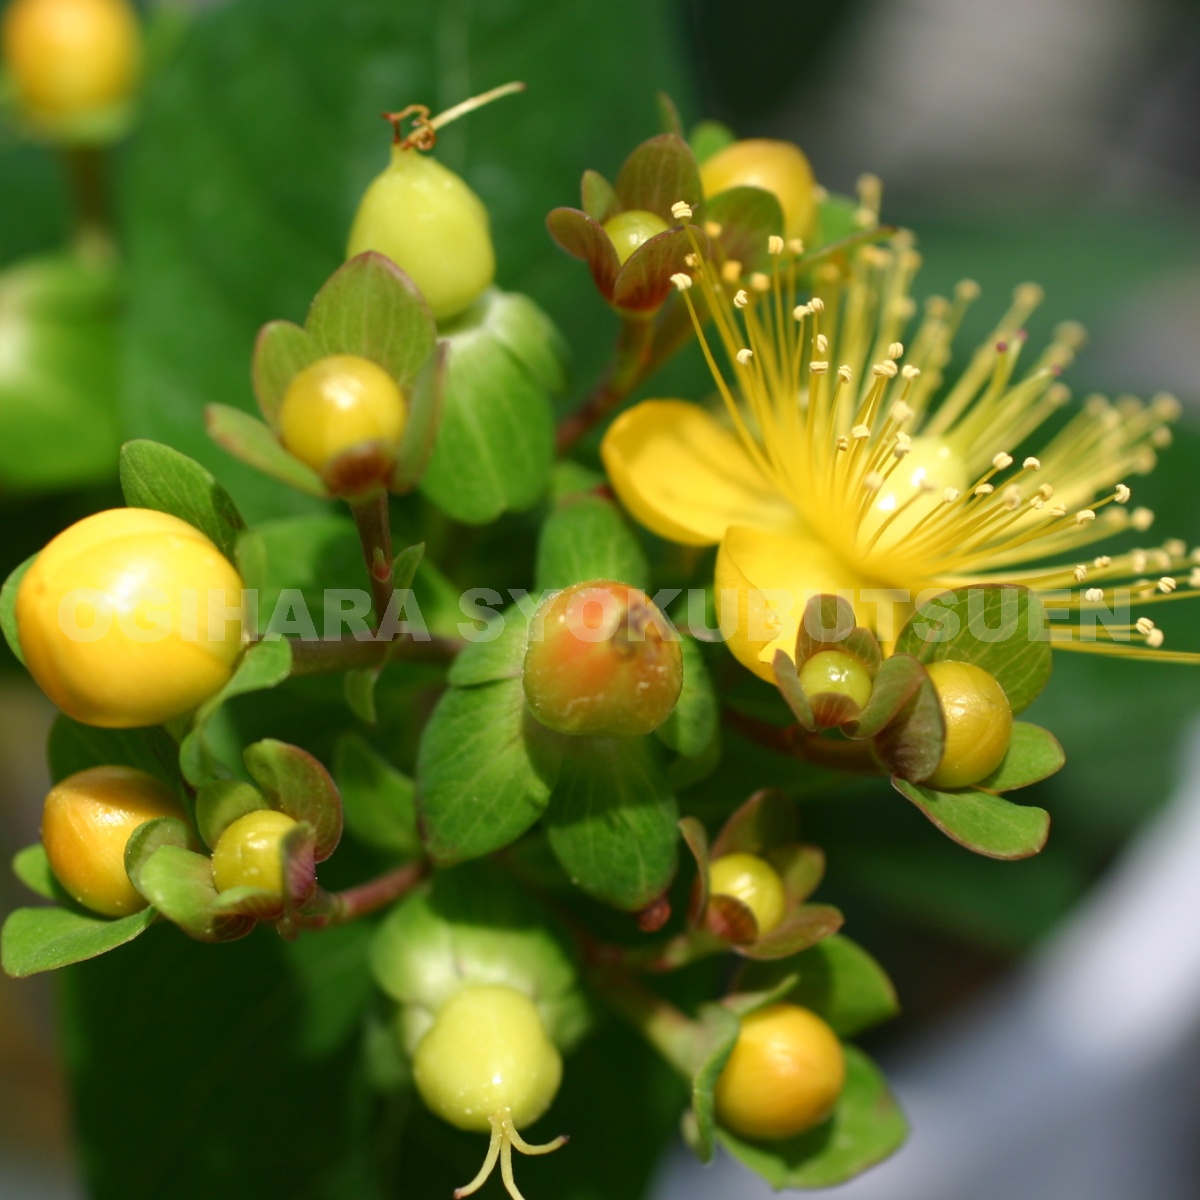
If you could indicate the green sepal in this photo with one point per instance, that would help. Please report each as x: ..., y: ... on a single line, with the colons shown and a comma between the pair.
x: 612, y: 821
x: 32, y: 867
x: 693, y: 727
x: 748, y: 217
x: 220, y: 802
x: 295, y: 783
x: 155, y: 476
x: 378, y: 799
x: 44, y: 939
x: 149, y: 836
x: 598, y: 197
x: 644, y: 280
x: 708, y: 137
x: 669, y: 119
x: 582, y: 237
x: 586, y: 538
x: 1016, y: 649
x: 805, y: 925
x: 179, y: 884
x: 281, y: 351
x: 787, y: 679
x: 659, y: 172
x: 716, y: 1033
x: 911, y: 745
x: 837, y: 219
x: 250, y: 441
x: 1033, y: 754
x: 895, y: 685
x: 8, y: 607
x: 980, y: 821
x: 425, y: 407
x: 766, y: 820
x: 827, y: 623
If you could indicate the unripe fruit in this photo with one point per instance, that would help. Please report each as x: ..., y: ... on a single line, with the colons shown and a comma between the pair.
x: 248, y: 853
x: 776, y: 167
x: 69, y: 58
x: 336, y: 403
x: 979, y: 723
x: 130, y: 617
x: 487, y: 1052
x: 628, y: 230
x: 754, y: 882
x: 836, y: 672
x: 87, y: 821
x: 423, y: 217
x: 599, y: 662
x: 784, y: 1076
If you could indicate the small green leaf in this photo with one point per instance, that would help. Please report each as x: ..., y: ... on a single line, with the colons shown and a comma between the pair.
x: 693, y: 724
x: 8, y: 607
x: 1033, y: 754
x: 405, y: 564
x: 987, y: 824
x: 499, y: 657
x: 223, y: 801
x: 597, y: 195
x: 179, y: 884
x: 708, y: 137
x: 249, y: 440
x: 297, y: 784
x: 659, y: 173
x: 379, y: 800
x: 32, y: 867
x: 587, y: 538
x: 484, y: 771
x: 999, y: 627
x: 44, y: 939
x: 866, y: 1127
x: 281, y: 352
x: 155, y: 476
x: 613, y: 822
x: 371, y: 308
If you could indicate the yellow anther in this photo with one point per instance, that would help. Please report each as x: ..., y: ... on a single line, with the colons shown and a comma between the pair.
x: 1167, y: 584
x: 731, y: 272
x: 895, y: 350
x: 774, y: 244
x: 1123, y: 493
x: 1141, y: 519
x: 1154, y: 639
x: 910, y: 372
x: 858, y: 432
x: 1002, y: 460
x: 681, y: 210
x: 744, y: 356
x: 1084, y: 514
x: 1032, y: 464
x: 1094, y: 595
x: 1080, y: 572
x: 713, y: 228
x: 741, y: 298
x: 822, y: 344
x: 760, y: 282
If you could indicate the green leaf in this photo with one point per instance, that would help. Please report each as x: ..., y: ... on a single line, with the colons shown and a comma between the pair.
x: 659, y: 173
x: 250, y: 441
x: 587, y: 538
x: 708, y: 137
x: 499, y: 657
x: 370, y: 307
x: 866, y: 1127
x: 987, y: 824
x: 75, y: 747
x: 999, y: 627
x: 748, y: 216
x: 155, y: 476
x: 281, y: 351
x: 265, y: 665
x: 425, y: 406
x: 484, y: 771
x: 8, y: 607
x: 32, y: 867
x: 379, y: 799
x: 612, y: 821
x: 149, y: 836
x: 179, y: 884
x: 297, y: 784
x: 223, y: 801
x: 531, y: 336
x: 44, y: 939
x: 693, y: 725
x: 1033, y: 754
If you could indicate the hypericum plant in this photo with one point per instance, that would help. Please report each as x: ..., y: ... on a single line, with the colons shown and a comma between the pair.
x: 517, y: 771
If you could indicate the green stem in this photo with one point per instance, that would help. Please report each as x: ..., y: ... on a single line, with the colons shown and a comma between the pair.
x: 349, y: 653
x: 377, y: 893
x: 372, y: 519
x: 87, y: 171
x: 668, y: 1030
x: 679, y: 951
x: 837, y: 754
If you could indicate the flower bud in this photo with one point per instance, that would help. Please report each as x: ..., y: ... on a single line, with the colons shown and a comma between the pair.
x: 487, y: 1052
x: 978, y: 721
x: 69, y: 58
x: 776, y: 167
x: 784, y: 1076
x: 423, y: 217
x: 86, y: 823
x: 339, y: 402
x: 754, y: 882
x: 838, y: 673
x: 249, y: 853
x: 602, y: 660
x: 130, y: 617
x: 628, y: 230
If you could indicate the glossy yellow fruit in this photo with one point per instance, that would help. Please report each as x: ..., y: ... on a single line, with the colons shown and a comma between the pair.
x: 628, y: 230
x: 336, y: 403
x: 423, y: 217
x: 248, y: 853
x: 754, y: 882
x: 88, y: 819
x: 71, y: 57
x: 487, y: 1051
x: 979, y: 723
x: 599, y: 662
x: 130, y: 617
x: 837, y: 672
x: 784, y: 1076
x: 775, y: 166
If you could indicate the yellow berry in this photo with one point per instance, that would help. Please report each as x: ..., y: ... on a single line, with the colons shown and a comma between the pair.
x: 837, y: 672
x: 130, y: 617
x: 754, y: 882
x: 423, y: 217
x: 88, y: 819
x: 979, y: 723
x: 487, y: 1051
x: 784, y: 1076
x: 71, y: 57
x: 248, y: 853
x: 774, y: 166
x: 599, y: 662
x: 628, y: 230
x: 339, y: 402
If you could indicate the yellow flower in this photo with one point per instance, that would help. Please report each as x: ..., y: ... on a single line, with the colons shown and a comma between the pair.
x: 846, y: 461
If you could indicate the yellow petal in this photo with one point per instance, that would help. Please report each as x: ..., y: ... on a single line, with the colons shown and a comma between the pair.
x: 686, y: 478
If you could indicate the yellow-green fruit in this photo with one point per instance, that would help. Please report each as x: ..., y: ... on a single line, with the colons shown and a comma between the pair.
x: 487, y: 1051
x: 424, y: 218
x: 130, y: 617
x: 86, y: 823
x: 979, y: 723
x: 248, y: 852
x: 754, y: 882
x: 71, y: 57
x: 784, y: 1076
x: 774, y: 166
x: 336, y: 403
x: 837, y: 672
x: 628, y: 230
